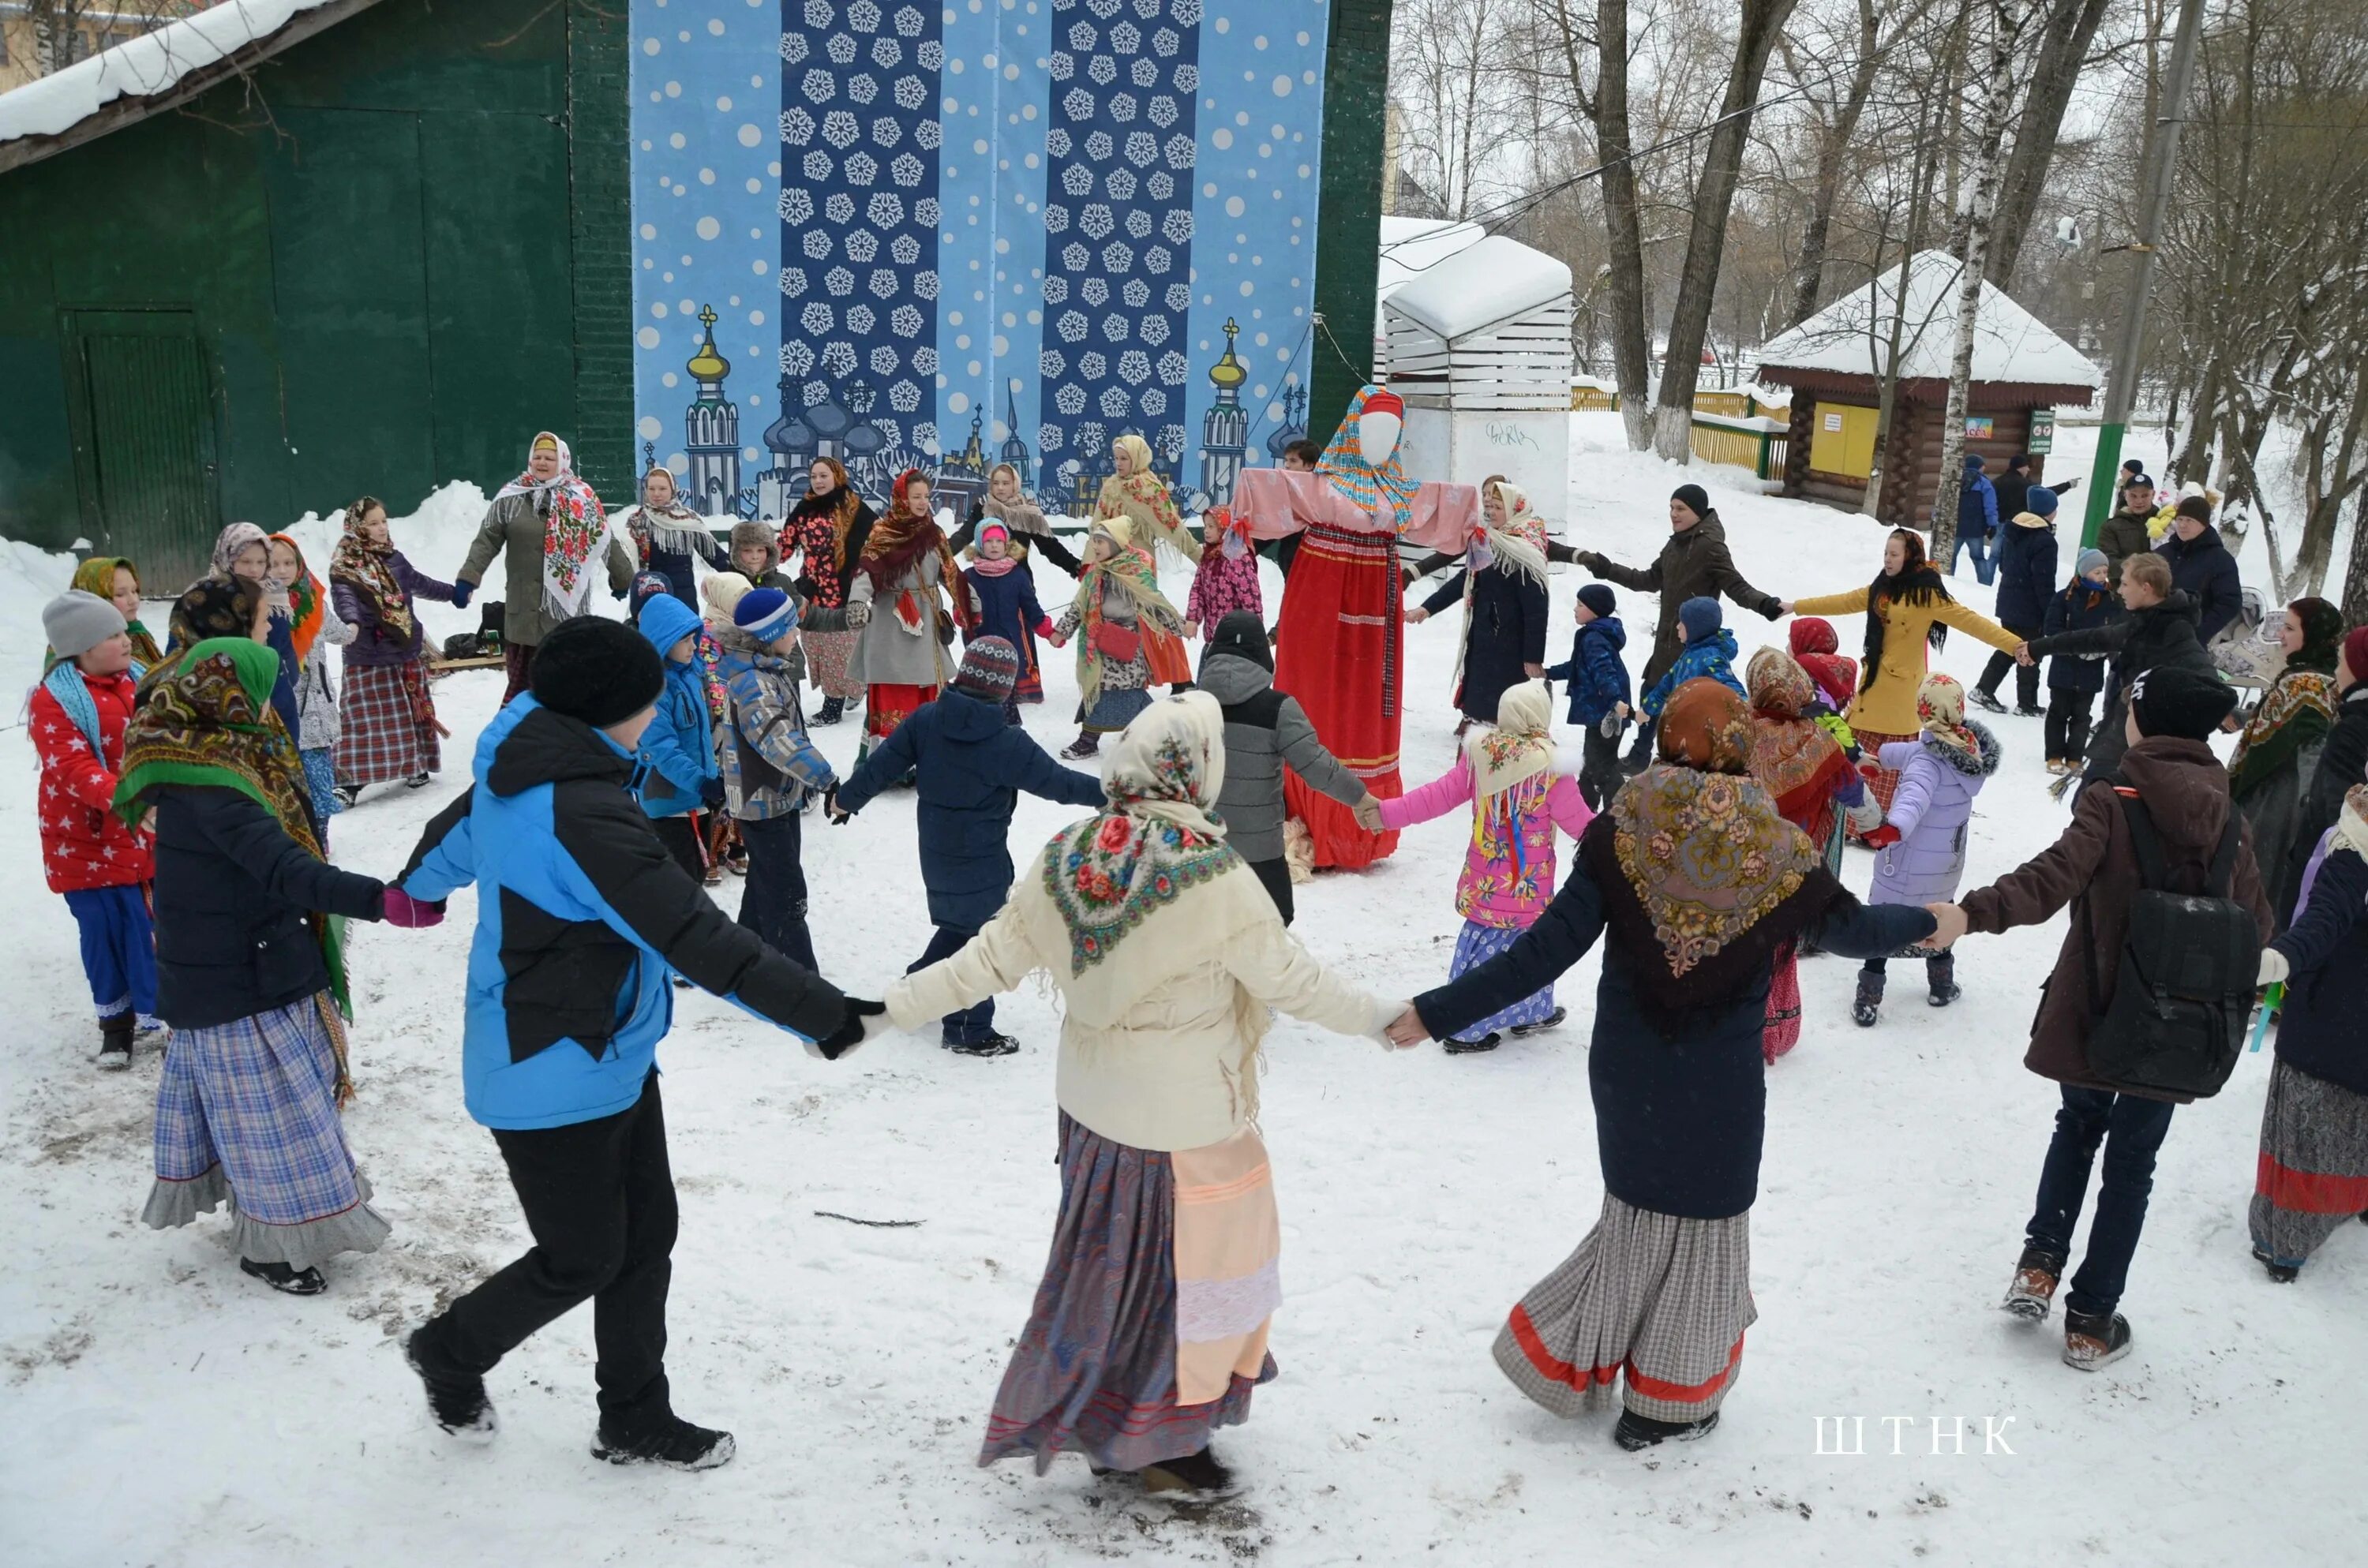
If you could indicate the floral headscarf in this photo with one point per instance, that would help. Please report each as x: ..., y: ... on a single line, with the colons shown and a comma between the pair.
x: 232, y: 540
x: 674, y: 528
x: 1343, y: 463
x: 368, y: 570
x: 1155, y: 839
x: 573, y: 525
x: 215, y: 607
x: 1142, y: 498
x: 1791, y: 756
x: 1705, y: 725
x: 1940, y: 709
x: 2298, y: 710
x: 305, y: 598
x: 1130, y: 569
x: 96, y: 575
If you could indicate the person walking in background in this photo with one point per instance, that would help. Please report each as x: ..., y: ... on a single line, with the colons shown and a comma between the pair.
x: 2342, y: 762
x: 1265, y: 732
x: 826, y: 532
x: 1508, y: 775
x: 100, y: 862
x: 315, y: 628
x: 2283, y: 738
x: 667, y: 535
x: 968, y: 768
x: 582, y: 915
x: 2203, y: 568
x: 387, y: 730
x: 1977, y: 520
x: 2012, y: 486
x: 552, y: 535
x: 2170, y: 779
x: 772, y: 771
x: 250, y: 972
x: 1920, y: 847
x: 2126, y: 532
x: 2026, y: 578
x: 2313, y: 1172
x: 1693, y: 564
x: 1502, y: 587
x: 2073, y: 679
x: 1597, y: 679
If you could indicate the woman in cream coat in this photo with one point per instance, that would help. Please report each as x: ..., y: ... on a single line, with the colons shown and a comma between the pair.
x: 1150, y: 1327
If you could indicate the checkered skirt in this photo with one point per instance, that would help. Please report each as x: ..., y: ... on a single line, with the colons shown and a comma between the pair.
x: 1659, y: 1299
x: 246, y: 1111
x: 387, y: 733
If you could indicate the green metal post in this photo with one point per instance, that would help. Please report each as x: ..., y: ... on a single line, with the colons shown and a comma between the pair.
x: 1348, y: 217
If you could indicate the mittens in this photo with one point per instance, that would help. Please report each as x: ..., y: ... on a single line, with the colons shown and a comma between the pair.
x: 1883, y: 837
x: 710, y: 793
x: 863, y: 1021
x: 2275, y: 968
x: 402, y: 909
x: 461, y: 592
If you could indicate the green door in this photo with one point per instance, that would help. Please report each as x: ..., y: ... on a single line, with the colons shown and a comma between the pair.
x: 143, y: 433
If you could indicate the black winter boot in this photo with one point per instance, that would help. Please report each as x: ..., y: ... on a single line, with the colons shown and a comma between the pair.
x: 1941, y: 975
x: 1868, y: 1004
x: 285, y: 1280
x: 1636, y: 1432
x: 115, y: 1041
x: 832, y: 709
x: 2279, y: 1273
x: 455, y: 1399
x: 673, y: 1442
x: 1198, y: 1477
x: 1987, y: 700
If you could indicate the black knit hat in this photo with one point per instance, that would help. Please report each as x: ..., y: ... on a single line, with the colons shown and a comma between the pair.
x: 1695, y: 498
x: 597, y: 670
x: 1597, y: 596
x: 1241, y: 633
x: 2184, y: 703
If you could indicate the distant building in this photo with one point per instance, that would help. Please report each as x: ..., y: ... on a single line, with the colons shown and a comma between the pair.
x: 1015, y: 450
x: 712, y: 428
x: 1226, y: 430
x: 962, y: 479
x: 792, y: 441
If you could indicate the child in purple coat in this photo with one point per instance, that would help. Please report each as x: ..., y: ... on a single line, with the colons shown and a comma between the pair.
x: 1920, y: 847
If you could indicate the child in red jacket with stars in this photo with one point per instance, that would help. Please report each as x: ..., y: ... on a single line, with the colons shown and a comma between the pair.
x: 77, y: 721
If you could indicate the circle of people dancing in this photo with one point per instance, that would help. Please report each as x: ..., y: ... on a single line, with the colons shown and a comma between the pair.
x: 189, y: 790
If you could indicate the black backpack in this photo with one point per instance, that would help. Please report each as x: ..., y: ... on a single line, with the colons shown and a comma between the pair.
x: 2184, y: 993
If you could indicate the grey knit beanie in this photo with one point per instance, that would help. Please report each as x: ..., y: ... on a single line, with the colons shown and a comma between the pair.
x: 76, y: 621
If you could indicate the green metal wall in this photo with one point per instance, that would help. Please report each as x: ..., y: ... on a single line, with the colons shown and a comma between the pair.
x: 1348, y: 253
x: 398, y: 259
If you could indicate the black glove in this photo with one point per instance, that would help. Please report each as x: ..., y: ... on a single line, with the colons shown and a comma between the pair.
x: 830, y: 811
x: 710, y: 793
x: 863, y: 1019
x: 461, y: 592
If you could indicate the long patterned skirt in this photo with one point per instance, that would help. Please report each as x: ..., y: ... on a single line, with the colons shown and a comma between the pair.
x: 1475, y: 946
x: 1661, y: 1300
x: 1780, y: 1031
x: 827, y: 653
x: 2313, y: 1172
x: 1149, y: 1329
x: 1341, y: 654
x: 246, y: 1111
x: 386, y: 725
x: 1885, y: 782
x: 885, y: 706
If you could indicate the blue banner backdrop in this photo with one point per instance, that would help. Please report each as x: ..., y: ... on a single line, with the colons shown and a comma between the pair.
x: 997, y: 231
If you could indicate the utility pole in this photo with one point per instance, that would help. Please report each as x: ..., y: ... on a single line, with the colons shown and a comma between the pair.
x: 2122, y: 388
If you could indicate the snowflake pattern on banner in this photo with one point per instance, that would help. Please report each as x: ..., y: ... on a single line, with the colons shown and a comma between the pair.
x: 1117, y: 216
x: 859, y: 209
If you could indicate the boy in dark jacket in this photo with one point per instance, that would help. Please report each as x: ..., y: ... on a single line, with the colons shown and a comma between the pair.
x: 2026, y: 577
x: 2169, y: 768
x: 2159, y: 630
x: 582, y: 915
x: 1598, y: 678
x: 771, y: 769
x: 678, y: 775
x: 2073, y: 679
x: 1265, y: 732
x: 969, y: 769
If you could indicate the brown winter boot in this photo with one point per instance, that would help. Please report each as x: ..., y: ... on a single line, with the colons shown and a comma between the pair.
x: 2036, y: 1275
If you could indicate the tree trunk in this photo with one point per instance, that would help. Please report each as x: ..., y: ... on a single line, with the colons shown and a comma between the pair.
x: 2331, y: 487
x: 1623, y: 232
x: 2006, y: 22
x: 2355, y: 575
x: 1927, y: 152
x: 2060, y: 47
x: 1832, y: 147
x: 1761, y: 23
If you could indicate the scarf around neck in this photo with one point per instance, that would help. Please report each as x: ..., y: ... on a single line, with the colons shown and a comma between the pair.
x: 572, y: 527
x: 1154, y: 840
x: 2297, y: 712
x: 1129, y: 571
x: 1791, y: 756
x: 368, y: 570
x: 305, y: 602
x: 673, y: 529
x: 1021, y: 515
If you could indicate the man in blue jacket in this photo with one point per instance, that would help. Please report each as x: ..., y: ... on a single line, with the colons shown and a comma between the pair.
x: 582, y: 915
x: 971, y: 770
x: 1977, y: 519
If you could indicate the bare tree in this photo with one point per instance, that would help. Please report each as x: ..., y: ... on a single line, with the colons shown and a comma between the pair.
x: 2059, y: 49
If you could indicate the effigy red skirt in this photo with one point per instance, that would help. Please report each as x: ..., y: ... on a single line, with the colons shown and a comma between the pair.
x: 1340, y: 652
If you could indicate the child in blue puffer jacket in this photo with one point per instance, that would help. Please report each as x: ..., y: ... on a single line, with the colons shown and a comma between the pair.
x: 1708, y: 655
x: 676, y: 772
x: 1598, y: 688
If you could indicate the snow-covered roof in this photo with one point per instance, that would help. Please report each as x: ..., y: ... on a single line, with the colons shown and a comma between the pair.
x: 1411, y: 246
x: 155, y: 65
x: 1852, y: 336
x: 1491, y: 280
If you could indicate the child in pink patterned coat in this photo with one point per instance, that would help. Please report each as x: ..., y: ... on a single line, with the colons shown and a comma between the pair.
x: 1519, y: 797
x: 1226, y: 578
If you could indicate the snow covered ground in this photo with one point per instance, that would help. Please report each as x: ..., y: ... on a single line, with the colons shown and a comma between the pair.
x: 160, y: 1409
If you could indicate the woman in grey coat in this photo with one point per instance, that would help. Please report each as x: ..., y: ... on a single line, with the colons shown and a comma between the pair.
x: 897, y: 605
x: 549, y: 524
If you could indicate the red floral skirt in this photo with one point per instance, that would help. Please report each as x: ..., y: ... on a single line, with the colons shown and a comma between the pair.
x: 885, y: 706
x: 1340, y: 652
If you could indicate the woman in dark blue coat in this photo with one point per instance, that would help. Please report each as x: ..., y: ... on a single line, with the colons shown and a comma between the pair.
x: 1694, y: 881
x: 2026, y: 577
x: 1503, y: 590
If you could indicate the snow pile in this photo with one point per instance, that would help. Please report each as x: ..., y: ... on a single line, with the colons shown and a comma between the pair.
x: 140, y: 67
x: 1485, y: 285
x: 1420, y: 1195
x: 1852, y: 336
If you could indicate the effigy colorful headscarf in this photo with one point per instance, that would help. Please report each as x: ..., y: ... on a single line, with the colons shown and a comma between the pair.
x: 1344, y: 464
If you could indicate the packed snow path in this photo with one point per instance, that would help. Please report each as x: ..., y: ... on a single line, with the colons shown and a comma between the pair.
x: 161, y: 1409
